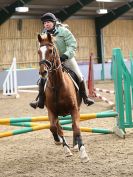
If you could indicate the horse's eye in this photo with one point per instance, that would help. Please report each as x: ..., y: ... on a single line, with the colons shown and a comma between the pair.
x: 50, y: 51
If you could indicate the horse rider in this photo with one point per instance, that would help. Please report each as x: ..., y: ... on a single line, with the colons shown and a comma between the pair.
x: 66, y: 45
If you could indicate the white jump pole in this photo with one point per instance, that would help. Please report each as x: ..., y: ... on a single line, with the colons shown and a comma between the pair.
x: 10, y: 83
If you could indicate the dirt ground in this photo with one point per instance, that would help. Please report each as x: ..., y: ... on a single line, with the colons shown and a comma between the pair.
x: 34, y: 154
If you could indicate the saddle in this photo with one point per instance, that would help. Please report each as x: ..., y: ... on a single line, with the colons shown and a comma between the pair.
x: 73, y: 76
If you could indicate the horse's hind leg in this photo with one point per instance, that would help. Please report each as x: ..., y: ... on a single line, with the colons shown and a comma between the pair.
x: 75, y: 144
x: 65, y: 145
x: 77, y: 137
x: 78, y: 141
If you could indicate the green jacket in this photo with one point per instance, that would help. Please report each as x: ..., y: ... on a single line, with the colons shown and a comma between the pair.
x: 65, y: 41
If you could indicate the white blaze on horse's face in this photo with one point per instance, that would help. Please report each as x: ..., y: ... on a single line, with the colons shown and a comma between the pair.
x: 43, y: 49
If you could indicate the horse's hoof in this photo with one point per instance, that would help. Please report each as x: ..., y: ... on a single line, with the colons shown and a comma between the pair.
x: 60, y: 141
x: 67, y: 151
x: 76, y: 148
x: 83, y: 155
x: 85, y: 159
x: 57, y: 143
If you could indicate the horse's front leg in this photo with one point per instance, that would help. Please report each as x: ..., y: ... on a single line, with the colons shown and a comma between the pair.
x: 77, y: 139
x: 64, y: 142
x: 57, y: 132
x: 53, y: 128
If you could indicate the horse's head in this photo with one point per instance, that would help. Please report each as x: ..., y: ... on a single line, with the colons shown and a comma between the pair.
x: 47, y: 52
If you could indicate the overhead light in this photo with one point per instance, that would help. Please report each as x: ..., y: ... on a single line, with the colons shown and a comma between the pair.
x: 111, y: 0
x: 104, y: 0
x: 22, y: 9
x: 102, y: 11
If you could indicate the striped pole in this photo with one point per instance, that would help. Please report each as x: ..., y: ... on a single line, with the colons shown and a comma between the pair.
x: 8, y: 121
x: 68, y: 128
x: 91, y: 130
x: 30, y: 129
x: 104, y: 90
x: 104, y: 99
x: 105, y: 114
x: 25, y: 124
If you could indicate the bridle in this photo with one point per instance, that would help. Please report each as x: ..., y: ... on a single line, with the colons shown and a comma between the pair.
x: 50, y: 65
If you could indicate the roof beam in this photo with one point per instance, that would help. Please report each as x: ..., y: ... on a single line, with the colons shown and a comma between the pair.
x: 8, y: 11
x: 111, y: 0
x: 65, y: 13
x: 104, y: 20
x: 52, y: 6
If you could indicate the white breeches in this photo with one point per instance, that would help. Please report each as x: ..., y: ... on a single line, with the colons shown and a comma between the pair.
x: 72, y: 64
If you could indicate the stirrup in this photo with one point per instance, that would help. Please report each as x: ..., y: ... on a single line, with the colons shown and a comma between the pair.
x: 34, y: 104
x: 88, y: 101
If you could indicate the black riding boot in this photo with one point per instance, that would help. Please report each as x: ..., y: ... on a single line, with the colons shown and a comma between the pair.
x: 39, y: 102
x: 83, y: 93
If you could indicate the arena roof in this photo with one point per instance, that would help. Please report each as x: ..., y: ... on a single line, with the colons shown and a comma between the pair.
x: 79, y: 8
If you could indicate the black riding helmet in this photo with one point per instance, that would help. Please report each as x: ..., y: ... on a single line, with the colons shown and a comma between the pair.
x: 48, y: 17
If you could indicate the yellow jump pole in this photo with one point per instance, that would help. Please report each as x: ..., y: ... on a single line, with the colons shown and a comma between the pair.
x: 4, y: 121
x: 29, y: 129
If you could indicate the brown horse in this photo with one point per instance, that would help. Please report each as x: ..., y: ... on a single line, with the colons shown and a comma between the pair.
x: 61, y: 97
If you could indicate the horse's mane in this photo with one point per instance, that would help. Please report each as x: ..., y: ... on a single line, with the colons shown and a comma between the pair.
x: 45, y: 37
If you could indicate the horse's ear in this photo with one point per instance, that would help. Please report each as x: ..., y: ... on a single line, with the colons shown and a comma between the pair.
x: 49, y: 37
x: 39, y: 38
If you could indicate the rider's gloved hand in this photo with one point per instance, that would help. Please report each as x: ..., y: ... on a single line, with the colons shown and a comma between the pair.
x: 63, y: 58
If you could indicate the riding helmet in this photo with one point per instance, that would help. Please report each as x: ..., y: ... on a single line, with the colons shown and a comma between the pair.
x: 48, y: 17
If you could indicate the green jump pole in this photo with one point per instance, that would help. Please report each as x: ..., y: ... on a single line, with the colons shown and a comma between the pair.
x: 122, y: 82
x: 25, y: 119
x: 131, y: 66
x: 118, y: 78
x: 25, y: 124
x: 4, y: 121
x: 30, y: 129
x: 32, y: 124
x: 91, y: 130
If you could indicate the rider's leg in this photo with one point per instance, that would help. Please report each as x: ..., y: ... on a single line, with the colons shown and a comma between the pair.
x: 72, y: 64
x: 41, y: 96
x: 83, y: 92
